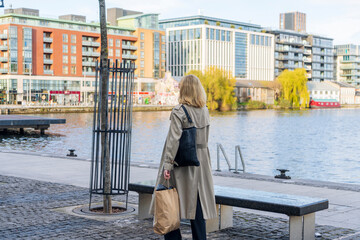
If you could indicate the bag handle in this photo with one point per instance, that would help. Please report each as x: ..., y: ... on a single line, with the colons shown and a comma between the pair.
x: 167, y: 181
x: 187, y: 114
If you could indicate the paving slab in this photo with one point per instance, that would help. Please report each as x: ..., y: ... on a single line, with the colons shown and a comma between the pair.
x: 343, y: 209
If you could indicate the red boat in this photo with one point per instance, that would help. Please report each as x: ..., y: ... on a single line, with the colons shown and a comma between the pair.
x: 324, y: 103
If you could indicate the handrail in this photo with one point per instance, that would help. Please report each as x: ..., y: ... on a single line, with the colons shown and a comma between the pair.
x: 237, y: 147
x: 219, y: 148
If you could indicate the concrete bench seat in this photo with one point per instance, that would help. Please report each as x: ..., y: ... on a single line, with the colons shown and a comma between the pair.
x: 300, y: 209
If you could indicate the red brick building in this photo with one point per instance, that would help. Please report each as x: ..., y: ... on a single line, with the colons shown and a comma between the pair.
x: 45, y: 59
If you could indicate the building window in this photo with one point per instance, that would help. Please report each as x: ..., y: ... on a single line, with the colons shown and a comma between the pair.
x: 73, y: 69
x: 65, y: 48
x: 252, y: 39
x: 111, y: 42
x: 73, y: 38
x: 142, y: 36
x: 163, y: 38
x: 73, y: 59
x: 117, y: 53
x: 163, y: 56
x: 257, y: 39
x: 217, y: 34
x: 111, y: 52
x: 65, y: 59
x: 117, y: 43
x: 163, y: 47
x: 73, y: 49
x: 142, y: 63
x: 65, y: 38
x: 65, y: 70
x: 141, y: 73
x: 142, y: 54
x: 142, y: 45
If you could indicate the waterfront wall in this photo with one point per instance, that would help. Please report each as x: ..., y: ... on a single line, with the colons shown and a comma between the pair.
x: 71, y: 109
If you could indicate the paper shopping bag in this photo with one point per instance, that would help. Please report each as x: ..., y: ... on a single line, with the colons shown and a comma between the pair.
x: 167, y: 211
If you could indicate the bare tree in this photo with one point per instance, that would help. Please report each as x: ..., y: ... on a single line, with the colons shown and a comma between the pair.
x: 104, y: 76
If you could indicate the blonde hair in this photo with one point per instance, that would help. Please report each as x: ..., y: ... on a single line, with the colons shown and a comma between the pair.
x: 192, y: 92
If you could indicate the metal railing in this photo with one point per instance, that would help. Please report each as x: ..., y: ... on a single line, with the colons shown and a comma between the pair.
x: 238, y: 154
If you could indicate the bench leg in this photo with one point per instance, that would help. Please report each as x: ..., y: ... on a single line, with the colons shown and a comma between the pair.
x: 309, y: 226
x: 296, y: 227
x: 212, y: 225
x: 224, y: 219
x: 302, y: 227
x: 144, y: 205
x: 226, y: 216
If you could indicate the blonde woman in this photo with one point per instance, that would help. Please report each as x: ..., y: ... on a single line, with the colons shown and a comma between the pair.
x: 194, y: 184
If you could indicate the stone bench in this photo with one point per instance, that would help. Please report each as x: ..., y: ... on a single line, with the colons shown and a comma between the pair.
x: 301, y: 210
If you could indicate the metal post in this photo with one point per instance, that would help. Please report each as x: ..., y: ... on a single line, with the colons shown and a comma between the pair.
x: 218, y: 157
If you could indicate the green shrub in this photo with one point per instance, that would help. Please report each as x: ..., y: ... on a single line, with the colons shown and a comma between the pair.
x: 255, y: 105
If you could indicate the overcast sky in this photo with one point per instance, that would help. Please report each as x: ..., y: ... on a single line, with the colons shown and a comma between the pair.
x: 338, y: 19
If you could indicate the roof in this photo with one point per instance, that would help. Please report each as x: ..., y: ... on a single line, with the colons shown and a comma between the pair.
x: 290, y: 32
x: 136, y: 16
x: 250, y: 84
x: 321, y: 86
x: 209, y: 18
x: 343, y: 84
x: 64, y: 21
x: 325, y: 100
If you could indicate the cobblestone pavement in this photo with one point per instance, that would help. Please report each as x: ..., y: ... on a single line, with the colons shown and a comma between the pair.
x: 26, y: 212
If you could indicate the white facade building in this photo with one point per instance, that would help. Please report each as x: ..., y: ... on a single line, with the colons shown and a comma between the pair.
x: 248, y: 55
x: 323, y: 91
x: 347, y: 92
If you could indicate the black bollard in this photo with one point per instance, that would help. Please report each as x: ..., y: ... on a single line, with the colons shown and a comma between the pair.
x: 282, y: 174
x: 71, y: 154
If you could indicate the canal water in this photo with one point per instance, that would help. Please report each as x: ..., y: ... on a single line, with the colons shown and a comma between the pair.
x: 312, y: 144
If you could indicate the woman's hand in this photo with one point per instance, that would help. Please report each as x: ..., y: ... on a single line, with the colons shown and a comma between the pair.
x: 167, y: 174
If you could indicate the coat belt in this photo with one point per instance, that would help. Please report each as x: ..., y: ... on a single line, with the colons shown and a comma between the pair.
x: 201, y: 145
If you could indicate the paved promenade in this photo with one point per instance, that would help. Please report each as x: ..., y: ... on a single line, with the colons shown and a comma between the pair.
x: 31, y: 186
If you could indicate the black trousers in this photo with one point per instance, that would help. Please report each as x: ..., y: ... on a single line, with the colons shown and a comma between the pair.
x: 198, y: 226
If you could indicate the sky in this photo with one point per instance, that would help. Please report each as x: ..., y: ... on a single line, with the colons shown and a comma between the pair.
x: 338, y: 19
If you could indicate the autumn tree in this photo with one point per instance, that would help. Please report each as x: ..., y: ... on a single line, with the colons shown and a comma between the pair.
x: 293, y: 87
x: 219, y: 87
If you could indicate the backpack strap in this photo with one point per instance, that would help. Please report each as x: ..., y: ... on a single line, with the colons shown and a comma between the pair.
x: 187, y: 114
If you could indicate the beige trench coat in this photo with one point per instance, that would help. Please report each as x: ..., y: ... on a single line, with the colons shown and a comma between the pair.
x: 190, y: 181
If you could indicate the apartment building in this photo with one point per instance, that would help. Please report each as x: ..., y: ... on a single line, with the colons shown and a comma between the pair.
x: 347, y: 64
x: 53, y: 60
x: 198, y: 42
x: 295, y: 21
x: 301, y: 50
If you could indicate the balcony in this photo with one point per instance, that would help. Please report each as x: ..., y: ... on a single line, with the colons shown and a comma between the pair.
x: 95, y: 44
x: 307, y: 60
x: 4, y: 70
x: 91, y: 54
x: 89, y: 64
x: 86, y: 43
x: 307, y: 52
x: 309, y: 75
x: 91, y: 43
x: 129, y: 56
x: 49, y: 72
x: 291, y: 42
x: 48, y: 50
x: 48, y: 39
x: 129, y: 47
x: 48, y: 61
x: 4, y: 48
x: 3, y: 36
x: 88, y: 73
x: 4, y: 59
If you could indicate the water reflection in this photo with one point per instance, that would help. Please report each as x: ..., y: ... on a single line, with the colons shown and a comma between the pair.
x: 313, y: 144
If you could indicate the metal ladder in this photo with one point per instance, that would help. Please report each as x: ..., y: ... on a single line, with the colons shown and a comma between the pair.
x: 237, y: 152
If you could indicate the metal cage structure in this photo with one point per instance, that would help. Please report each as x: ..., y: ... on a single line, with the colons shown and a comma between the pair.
x: 117, y: 131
